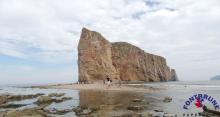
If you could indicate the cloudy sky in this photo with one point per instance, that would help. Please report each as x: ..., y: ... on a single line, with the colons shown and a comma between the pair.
x: 38, y: 38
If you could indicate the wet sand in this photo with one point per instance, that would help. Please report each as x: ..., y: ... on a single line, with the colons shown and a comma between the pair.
x: 128, y: 100
x: 104, y: 87
x: 91, y: 100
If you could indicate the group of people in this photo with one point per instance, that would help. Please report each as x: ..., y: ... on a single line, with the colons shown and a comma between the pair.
x: 108, y: 81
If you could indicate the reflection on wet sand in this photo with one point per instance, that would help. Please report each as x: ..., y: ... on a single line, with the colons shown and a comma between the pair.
x: 88, y: 97
x: 114, y: 103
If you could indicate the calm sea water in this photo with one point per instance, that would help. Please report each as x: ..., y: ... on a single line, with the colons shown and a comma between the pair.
x: 179, y: 91
x: 15, y: 90
x: 182, y: 91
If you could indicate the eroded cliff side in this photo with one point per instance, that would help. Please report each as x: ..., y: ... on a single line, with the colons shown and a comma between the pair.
x: 94, y: 57
x: 99, y: 59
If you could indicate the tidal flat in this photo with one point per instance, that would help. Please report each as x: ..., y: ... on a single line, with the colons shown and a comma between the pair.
x: 133, y: 100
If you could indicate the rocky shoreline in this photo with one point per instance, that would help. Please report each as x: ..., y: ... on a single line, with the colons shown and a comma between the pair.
x: 6, y: 102
x: 93, y: 100
x: 132, y: 106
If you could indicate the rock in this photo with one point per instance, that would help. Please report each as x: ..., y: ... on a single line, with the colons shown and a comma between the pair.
x: 85, y: 110
x: 167, y: 99
x: 12, y: 105
x: 78, y: 109
x: 66, y: 98
x: 158, y: 110
x: 3, y: 99
x: 174, y: 76
x: 99, y: 59
x: 210, y: 112
x: 136, y: 108
x: 59, y: 112
x: 33, y: 112
x: 44, y: 100
x: 2, y: 114
x: 23, y: 97
x: 95, y: 57
x: 61, y: 100
x: 146, y: 114
x: 134, y: 64
x: 94, y: 108
x: 56, y: 94
x: 136, y: 100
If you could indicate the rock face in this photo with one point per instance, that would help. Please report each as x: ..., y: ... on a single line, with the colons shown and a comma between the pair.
x: 99, y: 59
x: 174, y: 76
x: 95, y: 57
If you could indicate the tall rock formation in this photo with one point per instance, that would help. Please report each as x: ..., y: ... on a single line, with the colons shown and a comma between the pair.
x: 99, y: 59
x: 94, y: 57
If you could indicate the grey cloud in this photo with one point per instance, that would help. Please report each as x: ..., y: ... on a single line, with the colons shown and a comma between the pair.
x: 183, y: 30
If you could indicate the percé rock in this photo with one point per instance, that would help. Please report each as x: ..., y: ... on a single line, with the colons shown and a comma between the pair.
x: 132, y: 63
x: 95, y: 57
x: 98, y: 59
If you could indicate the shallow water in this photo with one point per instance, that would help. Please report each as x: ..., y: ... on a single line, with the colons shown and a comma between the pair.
x: 181, y: 91
x: 14, y: 90
x: 115, y: 100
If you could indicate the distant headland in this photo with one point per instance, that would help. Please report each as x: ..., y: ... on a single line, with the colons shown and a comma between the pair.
x: 99, y: 59
x: 215, y: 77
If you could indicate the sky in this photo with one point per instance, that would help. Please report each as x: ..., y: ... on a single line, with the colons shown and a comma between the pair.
x: 39, y: 38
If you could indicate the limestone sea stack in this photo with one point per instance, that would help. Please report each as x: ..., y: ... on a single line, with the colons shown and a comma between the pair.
x: 98, y: 59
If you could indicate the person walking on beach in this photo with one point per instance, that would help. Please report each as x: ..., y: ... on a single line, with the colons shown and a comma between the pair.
x: 108, y: 82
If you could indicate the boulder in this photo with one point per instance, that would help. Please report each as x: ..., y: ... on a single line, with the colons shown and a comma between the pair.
x: 3, y: 99
x: 167, y: 99
x: 81, y: 110
x: 56, y: 94
x: 62, y: 99
x: 85, y: 110
x: 44, y: 100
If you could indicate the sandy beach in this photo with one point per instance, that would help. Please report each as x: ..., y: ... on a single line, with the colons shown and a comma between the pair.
x: 98, y: 86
